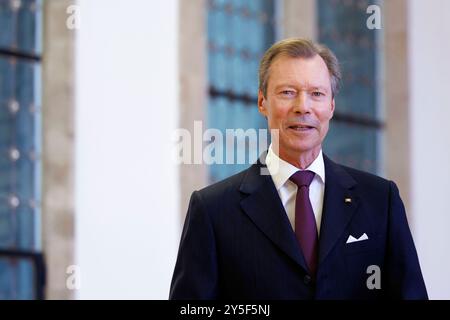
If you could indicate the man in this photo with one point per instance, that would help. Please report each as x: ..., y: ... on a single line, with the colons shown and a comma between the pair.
x: 312, y: 229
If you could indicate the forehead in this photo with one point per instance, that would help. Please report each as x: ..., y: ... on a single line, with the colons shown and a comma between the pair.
x: 299, y: 71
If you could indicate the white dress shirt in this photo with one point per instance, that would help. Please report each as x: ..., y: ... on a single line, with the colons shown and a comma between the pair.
x: 281, y: 171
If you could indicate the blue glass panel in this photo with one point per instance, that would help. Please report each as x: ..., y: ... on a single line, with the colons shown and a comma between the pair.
x: 7, y: 24
x: 238, y: 34
x: 342, y: 27
x: 7, y: 71
x: 220, y: 111
x: 19, y: 148
x: 18, y: 20
x: 20, y: 143
x: 352, y: 145
x: 26, y: 31
x: 25, y: 226
x: 16, y: 275
x: 7, y: 223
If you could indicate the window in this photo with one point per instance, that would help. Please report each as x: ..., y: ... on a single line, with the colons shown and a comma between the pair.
x: 239, y: 32
x: 355, y: 132
x: 21, y: 264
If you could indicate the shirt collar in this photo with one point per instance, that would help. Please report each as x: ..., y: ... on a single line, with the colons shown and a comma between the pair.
x: 284, y: 170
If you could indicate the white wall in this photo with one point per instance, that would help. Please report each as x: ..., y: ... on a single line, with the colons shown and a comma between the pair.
x: 127, y: 221
x: 429, y: 50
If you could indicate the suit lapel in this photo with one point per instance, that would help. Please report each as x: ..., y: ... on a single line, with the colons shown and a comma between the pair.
x: 337, y: 212
x: 263, y: 206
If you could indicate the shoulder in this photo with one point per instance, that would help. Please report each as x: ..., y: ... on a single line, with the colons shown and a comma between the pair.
x: 222, y: 191
x: 380, y: 197
x: 366, y: 178
x: 369, y: 183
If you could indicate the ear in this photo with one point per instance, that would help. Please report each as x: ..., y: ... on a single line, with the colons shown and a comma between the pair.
x: 262, y: 104
x: 332, y: 108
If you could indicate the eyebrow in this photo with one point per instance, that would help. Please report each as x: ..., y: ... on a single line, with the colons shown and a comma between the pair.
x: 313, y: 87
x: 320, y: 88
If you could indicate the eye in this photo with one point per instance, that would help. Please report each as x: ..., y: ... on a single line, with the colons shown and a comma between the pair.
x: 288, y: 93
x: 317, y: 94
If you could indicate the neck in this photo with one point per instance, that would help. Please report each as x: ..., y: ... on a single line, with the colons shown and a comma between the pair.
x: 301, y: 160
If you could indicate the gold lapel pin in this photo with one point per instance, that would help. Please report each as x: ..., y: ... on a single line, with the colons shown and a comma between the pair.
x: 348, y: 200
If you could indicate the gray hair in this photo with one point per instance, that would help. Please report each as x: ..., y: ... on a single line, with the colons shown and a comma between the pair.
x: 299, y: 48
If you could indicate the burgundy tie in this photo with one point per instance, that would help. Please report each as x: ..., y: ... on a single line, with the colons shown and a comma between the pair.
x: 305, y: 221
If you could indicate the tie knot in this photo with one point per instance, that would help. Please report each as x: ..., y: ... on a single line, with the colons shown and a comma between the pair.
x: 302, y: 178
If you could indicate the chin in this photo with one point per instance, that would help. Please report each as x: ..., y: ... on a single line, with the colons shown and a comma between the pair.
x: 299, y: 148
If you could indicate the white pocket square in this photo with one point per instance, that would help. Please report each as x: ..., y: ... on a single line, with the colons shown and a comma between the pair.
x: 353, y: 239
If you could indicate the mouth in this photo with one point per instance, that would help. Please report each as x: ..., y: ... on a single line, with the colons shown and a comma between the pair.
x: 301, y: 128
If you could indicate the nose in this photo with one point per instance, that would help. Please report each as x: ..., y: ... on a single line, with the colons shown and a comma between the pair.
x: 302, y: 103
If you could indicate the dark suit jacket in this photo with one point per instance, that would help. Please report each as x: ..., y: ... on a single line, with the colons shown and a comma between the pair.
x: 237, y: 242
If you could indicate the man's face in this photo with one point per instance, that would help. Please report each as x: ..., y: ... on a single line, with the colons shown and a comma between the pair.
x: 298, y: 103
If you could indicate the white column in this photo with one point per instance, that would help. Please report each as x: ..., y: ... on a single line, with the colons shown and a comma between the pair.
x: 127, y: 198
x: 429, y: 49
